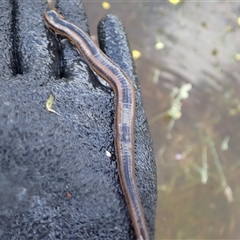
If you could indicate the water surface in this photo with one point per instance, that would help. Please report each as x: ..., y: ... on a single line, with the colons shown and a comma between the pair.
x: 189, y: 73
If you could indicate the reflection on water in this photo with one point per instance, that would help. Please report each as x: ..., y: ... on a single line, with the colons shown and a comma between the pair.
x: 196, y: 136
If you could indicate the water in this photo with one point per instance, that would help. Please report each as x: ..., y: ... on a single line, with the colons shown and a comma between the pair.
x: 195, y: 132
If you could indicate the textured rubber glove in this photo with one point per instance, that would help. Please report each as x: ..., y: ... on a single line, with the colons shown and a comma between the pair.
x: 56, y: 126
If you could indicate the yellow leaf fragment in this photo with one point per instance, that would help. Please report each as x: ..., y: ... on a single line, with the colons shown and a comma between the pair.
x: 174, y: 1
x: 238, y: 21
x: 136, y: 54
x: 237, y: 56
x: 106, y: 5
x: 159, y: 45
x: 49, y: 104
x: 162, y: 188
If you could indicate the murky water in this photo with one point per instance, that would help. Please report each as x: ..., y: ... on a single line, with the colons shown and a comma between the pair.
x: 189, y: 72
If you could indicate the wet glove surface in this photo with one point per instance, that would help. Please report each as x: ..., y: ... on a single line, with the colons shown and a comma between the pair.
x: 56, y: 181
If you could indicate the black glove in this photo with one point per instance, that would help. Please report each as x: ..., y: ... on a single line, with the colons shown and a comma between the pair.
x: 56, y: 181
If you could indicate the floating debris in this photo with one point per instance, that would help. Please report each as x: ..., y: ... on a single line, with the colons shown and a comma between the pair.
x: 204, y: 172
x: 238, y: 21
x: 49, y: 104
x: 228, y: 193
x: 237, y: 56
x: 181, y: 156
x: 214, y: 52
x: 174, y: 112
x: 106, y: 5
x: 159, y: 45
x: 177, y: 95
x: 224, y: 185
x: 224, y: 145
x: 174, y: 1
x: 163, y: 188
x: 136, y: 54
x: 156, y: 75
x: 204, y: 24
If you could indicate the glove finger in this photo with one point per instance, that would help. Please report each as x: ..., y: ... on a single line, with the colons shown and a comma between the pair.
x: 36, y: 55
x: 7, y: 39
x: 74, y: 66
x: 113, y: 41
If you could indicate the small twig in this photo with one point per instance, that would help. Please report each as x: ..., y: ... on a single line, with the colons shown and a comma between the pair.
x: 227, y: 190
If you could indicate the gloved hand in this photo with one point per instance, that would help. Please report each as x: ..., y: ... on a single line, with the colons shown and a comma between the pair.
x: 56, y: 181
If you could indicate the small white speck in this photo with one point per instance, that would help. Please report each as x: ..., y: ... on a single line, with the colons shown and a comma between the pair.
x: 141, y: 238
x: 178, y: 156
x: 108, y: 154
